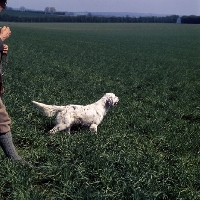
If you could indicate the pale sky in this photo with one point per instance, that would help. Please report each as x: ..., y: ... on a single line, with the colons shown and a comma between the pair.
x: 178, y: 7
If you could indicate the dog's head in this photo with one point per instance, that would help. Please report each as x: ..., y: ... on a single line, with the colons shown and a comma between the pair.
x: 110, y: 99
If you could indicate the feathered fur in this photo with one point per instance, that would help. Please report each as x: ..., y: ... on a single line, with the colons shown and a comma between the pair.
x: 90, y: 115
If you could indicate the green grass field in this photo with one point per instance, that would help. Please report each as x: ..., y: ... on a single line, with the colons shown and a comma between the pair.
x: 146, y: 148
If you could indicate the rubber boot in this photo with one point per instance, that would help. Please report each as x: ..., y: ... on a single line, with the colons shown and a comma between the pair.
x: 8, y: 147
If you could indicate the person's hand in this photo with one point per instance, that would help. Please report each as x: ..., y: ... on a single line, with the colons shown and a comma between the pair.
x: 5, y: 33
x: 5, y: 49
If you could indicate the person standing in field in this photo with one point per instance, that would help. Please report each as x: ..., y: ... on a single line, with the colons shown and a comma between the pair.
x: 6, y: 142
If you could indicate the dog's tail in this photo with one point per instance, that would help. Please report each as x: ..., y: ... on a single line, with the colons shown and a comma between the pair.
x: 48, y: 110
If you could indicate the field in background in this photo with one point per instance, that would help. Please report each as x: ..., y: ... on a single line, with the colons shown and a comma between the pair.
x: 146, y: 148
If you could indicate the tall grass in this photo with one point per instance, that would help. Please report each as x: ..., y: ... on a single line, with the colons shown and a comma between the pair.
x: 146, y: 148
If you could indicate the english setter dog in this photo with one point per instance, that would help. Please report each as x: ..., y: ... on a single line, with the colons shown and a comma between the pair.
x: 90, y: 115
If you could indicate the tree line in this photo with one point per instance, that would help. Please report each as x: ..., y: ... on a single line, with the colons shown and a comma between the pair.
x: 39, y: 16
x: 86, y: 19
x: 190, y: 19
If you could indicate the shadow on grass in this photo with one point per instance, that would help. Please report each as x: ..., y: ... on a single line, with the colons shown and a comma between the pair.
x: 48, y: 125
x: 191, y: 118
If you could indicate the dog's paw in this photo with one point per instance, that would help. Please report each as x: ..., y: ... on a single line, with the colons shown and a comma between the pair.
x: 93, y: 128
x: 52, y: 131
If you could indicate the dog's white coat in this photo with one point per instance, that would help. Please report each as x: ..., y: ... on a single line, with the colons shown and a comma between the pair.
x: 90, y: 115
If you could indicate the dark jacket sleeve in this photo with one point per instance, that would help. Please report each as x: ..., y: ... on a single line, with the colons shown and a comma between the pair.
x: 1, y: 45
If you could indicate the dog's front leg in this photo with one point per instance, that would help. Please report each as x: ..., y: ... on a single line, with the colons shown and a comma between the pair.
x: 53, y: 130
x: 58, y: 127
x: 93, y: 128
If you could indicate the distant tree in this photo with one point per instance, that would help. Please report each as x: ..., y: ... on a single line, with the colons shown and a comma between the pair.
x: 47, y: 10
x: 89, y: 15
x: 52, y: 10
x: 22, y: 8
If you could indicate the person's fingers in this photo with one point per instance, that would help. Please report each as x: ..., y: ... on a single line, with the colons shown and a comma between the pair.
x: 3, y: 28
x: 5, y: 52
x: 5, y: 47
x: 6, y: 30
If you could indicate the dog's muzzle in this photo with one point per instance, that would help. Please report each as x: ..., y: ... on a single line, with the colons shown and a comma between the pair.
x: 116, y: 102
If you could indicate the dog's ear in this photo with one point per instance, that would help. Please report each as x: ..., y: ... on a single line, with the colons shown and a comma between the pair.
x: 109, y: 101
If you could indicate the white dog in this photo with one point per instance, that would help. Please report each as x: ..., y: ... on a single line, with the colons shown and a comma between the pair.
x: 90, y: 115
